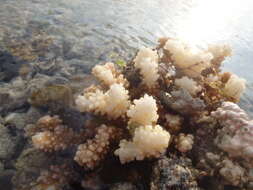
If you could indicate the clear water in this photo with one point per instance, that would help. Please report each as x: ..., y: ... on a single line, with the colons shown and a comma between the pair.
x: 122, y: 25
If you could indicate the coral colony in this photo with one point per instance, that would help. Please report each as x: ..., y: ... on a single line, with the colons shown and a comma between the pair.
x: 153, y: 106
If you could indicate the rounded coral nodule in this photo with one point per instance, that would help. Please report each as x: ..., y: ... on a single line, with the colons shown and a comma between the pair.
x: 188, y: 84
x: 113, y: 103
x: 234, y: 87
x: 191, y: 60
x: 108, y: 74
x: 53, y: 135
x: 147, y: 61
x: 143, y: 111
x: 184, y: 142
x: 148, y: 141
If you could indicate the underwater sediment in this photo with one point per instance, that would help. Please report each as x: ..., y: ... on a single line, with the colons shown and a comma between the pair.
x: 167, y: 119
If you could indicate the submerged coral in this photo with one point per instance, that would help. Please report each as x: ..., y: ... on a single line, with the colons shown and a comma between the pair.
x: 163, y: 102
x: 233, y: 173
x: 191, y: 60
x: 173, y: 122
x: 114, y: 103
x: 184, y: 142
x: 148, y: 141
x: 143, y: 111
x: 234, y: 87
x: 108, y: 74
x: 93, y: 151
x: 188, y: 84
x: 173, y: 173
x: 147, y: 61
x: 236, y: 135
x: 53, y: 135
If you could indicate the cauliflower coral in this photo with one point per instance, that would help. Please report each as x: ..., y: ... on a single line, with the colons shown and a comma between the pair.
x: 191, y: 60
x: 234, y: 87
x: 143, y: 111
x: 236, y: 135
x: 52, y: 134
x: 184, y: 142
x: 114, y: 103
x: 147, y: 61
x: 188, y: 84
x: 139, y: 109
x: 148, y: 141
x: 108, y: 74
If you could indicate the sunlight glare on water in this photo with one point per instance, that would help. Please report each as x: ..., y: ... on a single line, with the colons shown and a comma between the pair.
x: 207, y: 20
x: 99, y: 28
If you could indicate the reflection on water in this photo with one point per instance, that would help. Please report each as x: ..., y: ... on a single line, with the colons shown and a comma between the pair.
x: 136, y: 23
x: 89, y: 31
x: 94, y: 30
x: 211, y: 21
x: 222, y: 21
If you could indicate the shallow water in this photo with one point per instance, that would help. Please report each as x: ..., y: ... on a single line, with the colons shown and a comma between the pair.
x: 86, y: 32
x: 95, y: 29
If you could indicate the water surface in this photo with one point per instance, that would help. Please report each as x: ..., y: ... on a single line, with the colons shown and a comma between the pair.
x: 97, y: 30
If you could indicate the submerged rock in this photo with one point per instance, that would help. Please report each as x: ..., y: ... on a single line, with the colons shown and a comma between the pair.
x: 123, y: 186
x: 32, y: 46
x: 70, y: 117
x: 1, y: 167
x: 11, y: 104
x: 32, y: 115
x: 28, y: 167
x: 1, y: 120
x: 8, y: 143
x: 78, y: 82
x: 16, y: 119
x: 9, y: 66
x: 52, y: 94
x: 13, y: 95
x: 173, y: 173
x: 182, y: 102
x: 5, y: 179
